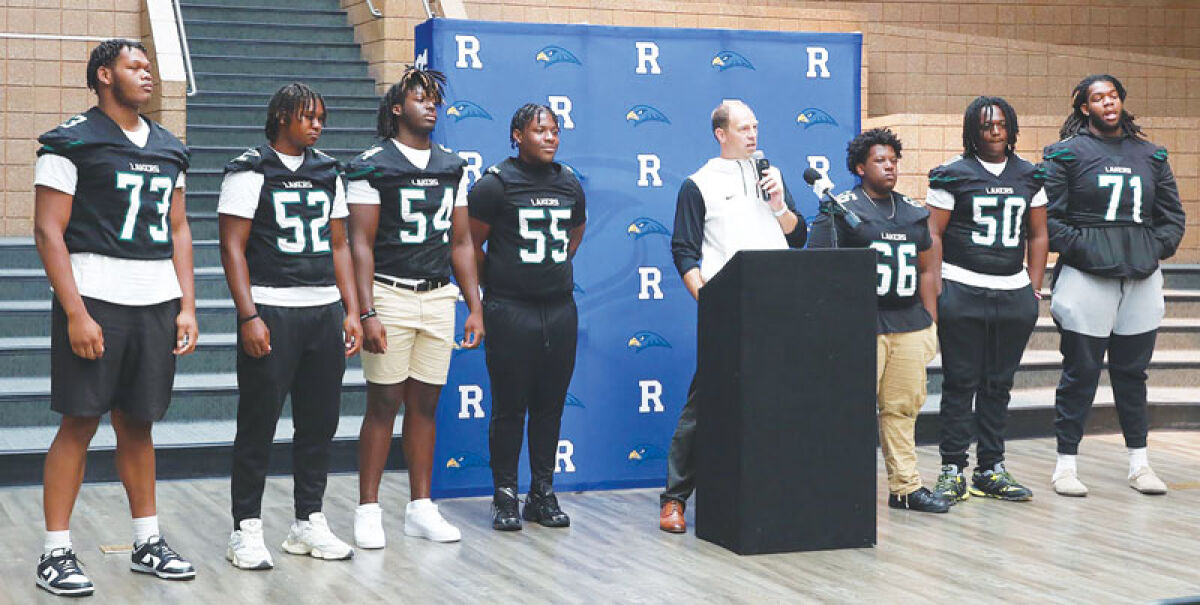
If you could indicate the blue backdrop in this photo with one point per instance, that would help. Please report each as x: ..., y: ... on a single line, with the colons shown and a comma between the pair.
x: 634, y: 106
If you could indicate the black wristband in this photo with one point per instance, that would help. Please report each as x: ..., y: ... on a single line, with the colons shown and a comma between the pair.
x: 243, y: 320
x: 368, y: 315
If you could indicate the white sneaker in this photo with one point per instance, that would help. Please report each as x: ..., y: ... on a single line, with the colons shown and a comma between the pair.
x: 1067, y: 483
x: 313, y: 538
x: 368, y: 526
x: 247, y: 550
x: 422, y: 520
x: 1144, y: 480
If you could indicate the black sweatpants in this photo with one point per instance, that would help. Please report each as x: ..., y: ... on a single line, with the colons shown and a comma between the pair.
x: 308, y: 360
x: 982, y: 333
x: 1083, y: 358
x: 530, y: 358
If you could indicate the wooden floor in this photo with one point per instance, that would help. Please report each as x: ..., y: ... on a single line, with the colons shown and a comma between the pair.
x: 1113, y: 546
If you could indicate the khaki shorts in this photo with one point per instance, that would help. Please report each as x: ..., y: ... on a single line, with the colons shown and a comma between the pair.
x: 420, y: 335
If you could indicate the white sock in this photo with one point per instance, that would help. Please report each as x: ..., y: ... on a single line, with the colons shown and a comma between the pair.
x: 1065, y: 464
x: 1138, y: 457
x: 144, y: 528
x: 56, y: 539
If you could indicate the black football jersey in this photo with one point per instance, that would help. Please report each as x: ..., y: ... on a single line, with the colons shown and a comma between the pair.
x: 413, y: 238
x: 531, y: 211
x: 122, y: 201
x: 987, y: 228
x: 289, y: 242
x: 1114, y: 206
x: 898, y: 230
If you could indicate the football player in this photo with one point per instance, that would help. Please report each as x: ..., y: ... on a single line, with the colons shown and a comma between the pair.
x: 409, y: 230
x: 112, y: 232
x: 531, y: 211
x: 283, y: 245
x: 988, y: 210
x: 898, y: 230
x: 1113, y: 214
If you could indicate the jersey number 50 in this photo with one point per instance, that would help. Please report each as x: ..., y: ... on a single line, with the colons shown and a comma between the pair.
x: 1011, y: 217
x: 904, y: 277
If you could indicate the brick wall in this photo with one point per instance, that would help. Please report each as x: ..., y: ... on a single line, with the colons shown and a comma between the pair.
x: 931, y: 139
x: 42, y: 82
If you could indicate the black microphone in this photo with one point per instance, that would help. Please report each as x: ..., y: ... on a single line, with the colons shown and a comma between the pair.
x: 761, y: 165
x: 823, y: 187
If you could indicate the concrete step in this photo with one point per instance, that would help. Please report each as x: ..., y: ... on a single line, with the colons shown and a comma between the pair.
x: 1176, y: 276
x: 291, y: 15
x: 1180, y: 303
x: 253, y: 116
x: 31, y: 284
x: 25, y: 402
x: 203, y: 224
x: 20, y: 252
x: 24, y: 318
x: 269, y: 83
x: 216, y: 353
x: 1031, y: 413
x: 261, y: 99
x: 297, y: 68
x: 243, y: 30
x: 1042, y: 369
x: 1175, y: 333
x: 204, y: 135
x: 266, y: 48
x: 308, y: 4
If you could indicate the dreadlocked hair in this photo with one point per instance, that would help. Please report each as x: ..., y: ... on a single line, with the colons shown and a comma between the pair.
x: 429, y: 80
x: 105, y: 55
x: 523, y: 116
x: 860, y: 146
x: 1079, y: 97
x: 972, y: 121
x: 289, y: 101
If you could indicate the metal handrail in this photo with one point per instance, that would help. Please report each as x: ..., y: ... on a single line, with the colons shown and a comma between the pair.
x: 187, y: 53
x: 378, y: 13
x: 51, y: 37
x: 428, y: 9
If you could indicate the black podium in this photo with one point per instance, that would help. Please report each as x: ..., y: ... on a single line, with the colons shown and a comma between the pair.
x: 786, y: 431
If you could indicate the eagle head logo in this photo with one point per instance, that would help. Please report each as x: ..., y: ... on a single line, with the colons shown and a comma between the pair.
x: 467, y: 460
x: 640, y: 114
x: 727, y: 59
x: 574, y: 402
x: 553, y: 54
x: 646, y: 339
x: 644, y: 225
x: 812, y: 116
x: 462, y: 110
x: 643, y: 452
x: 578, y: 288
x: 575, y: 171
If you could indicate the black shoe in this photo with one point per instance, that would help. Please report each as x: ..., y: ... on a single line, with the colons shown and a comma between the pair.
x: 922, y: 501
x: 996, y: 482
x: 505, y: 516
x: 61, y: 574
x: 154, y: 556
x: 542, y: 507
x: 951, y: 484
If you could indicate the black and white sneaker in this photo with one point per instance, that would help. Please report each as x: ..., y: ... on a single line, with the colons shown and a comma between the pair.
x: 60, y: 574
x: 154, y: 556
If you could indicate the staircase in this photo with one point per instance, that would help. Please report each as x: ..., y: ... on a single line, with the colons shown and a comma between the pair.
x: 242, y: 52
x: 1174, y: 374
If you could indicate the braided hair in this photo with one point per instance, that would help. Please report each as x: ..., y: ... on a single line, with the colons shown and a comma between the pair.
x: 525, y: 114
x: 289, y: 101
x: 431, y: 81
x: 1079, y: 97
x: 971, y: 124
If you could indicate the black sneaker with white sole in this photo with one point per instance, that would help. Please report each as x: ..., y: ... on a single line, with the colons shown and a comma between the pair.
x: 154, y: 556
x: 59, y: 573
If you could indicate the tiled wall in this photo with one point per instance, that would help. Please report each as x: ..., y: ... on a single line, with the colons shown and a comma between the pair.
x: 42, y: 82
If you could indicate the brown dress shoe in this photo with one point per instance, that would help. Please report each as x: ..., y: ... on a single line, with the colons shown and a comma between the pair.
x: 670, y: 519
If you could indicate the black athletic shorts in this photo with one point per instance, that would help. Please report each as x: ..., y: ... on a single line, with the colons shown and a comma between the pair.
x: 136, y: 372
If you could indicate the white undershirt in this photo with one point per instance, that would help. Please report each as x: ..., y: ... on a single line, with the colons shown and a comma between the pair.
x: 361, y: 192
x: 239, y: 197
x: 940, y: 198
x: 122, y: 281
